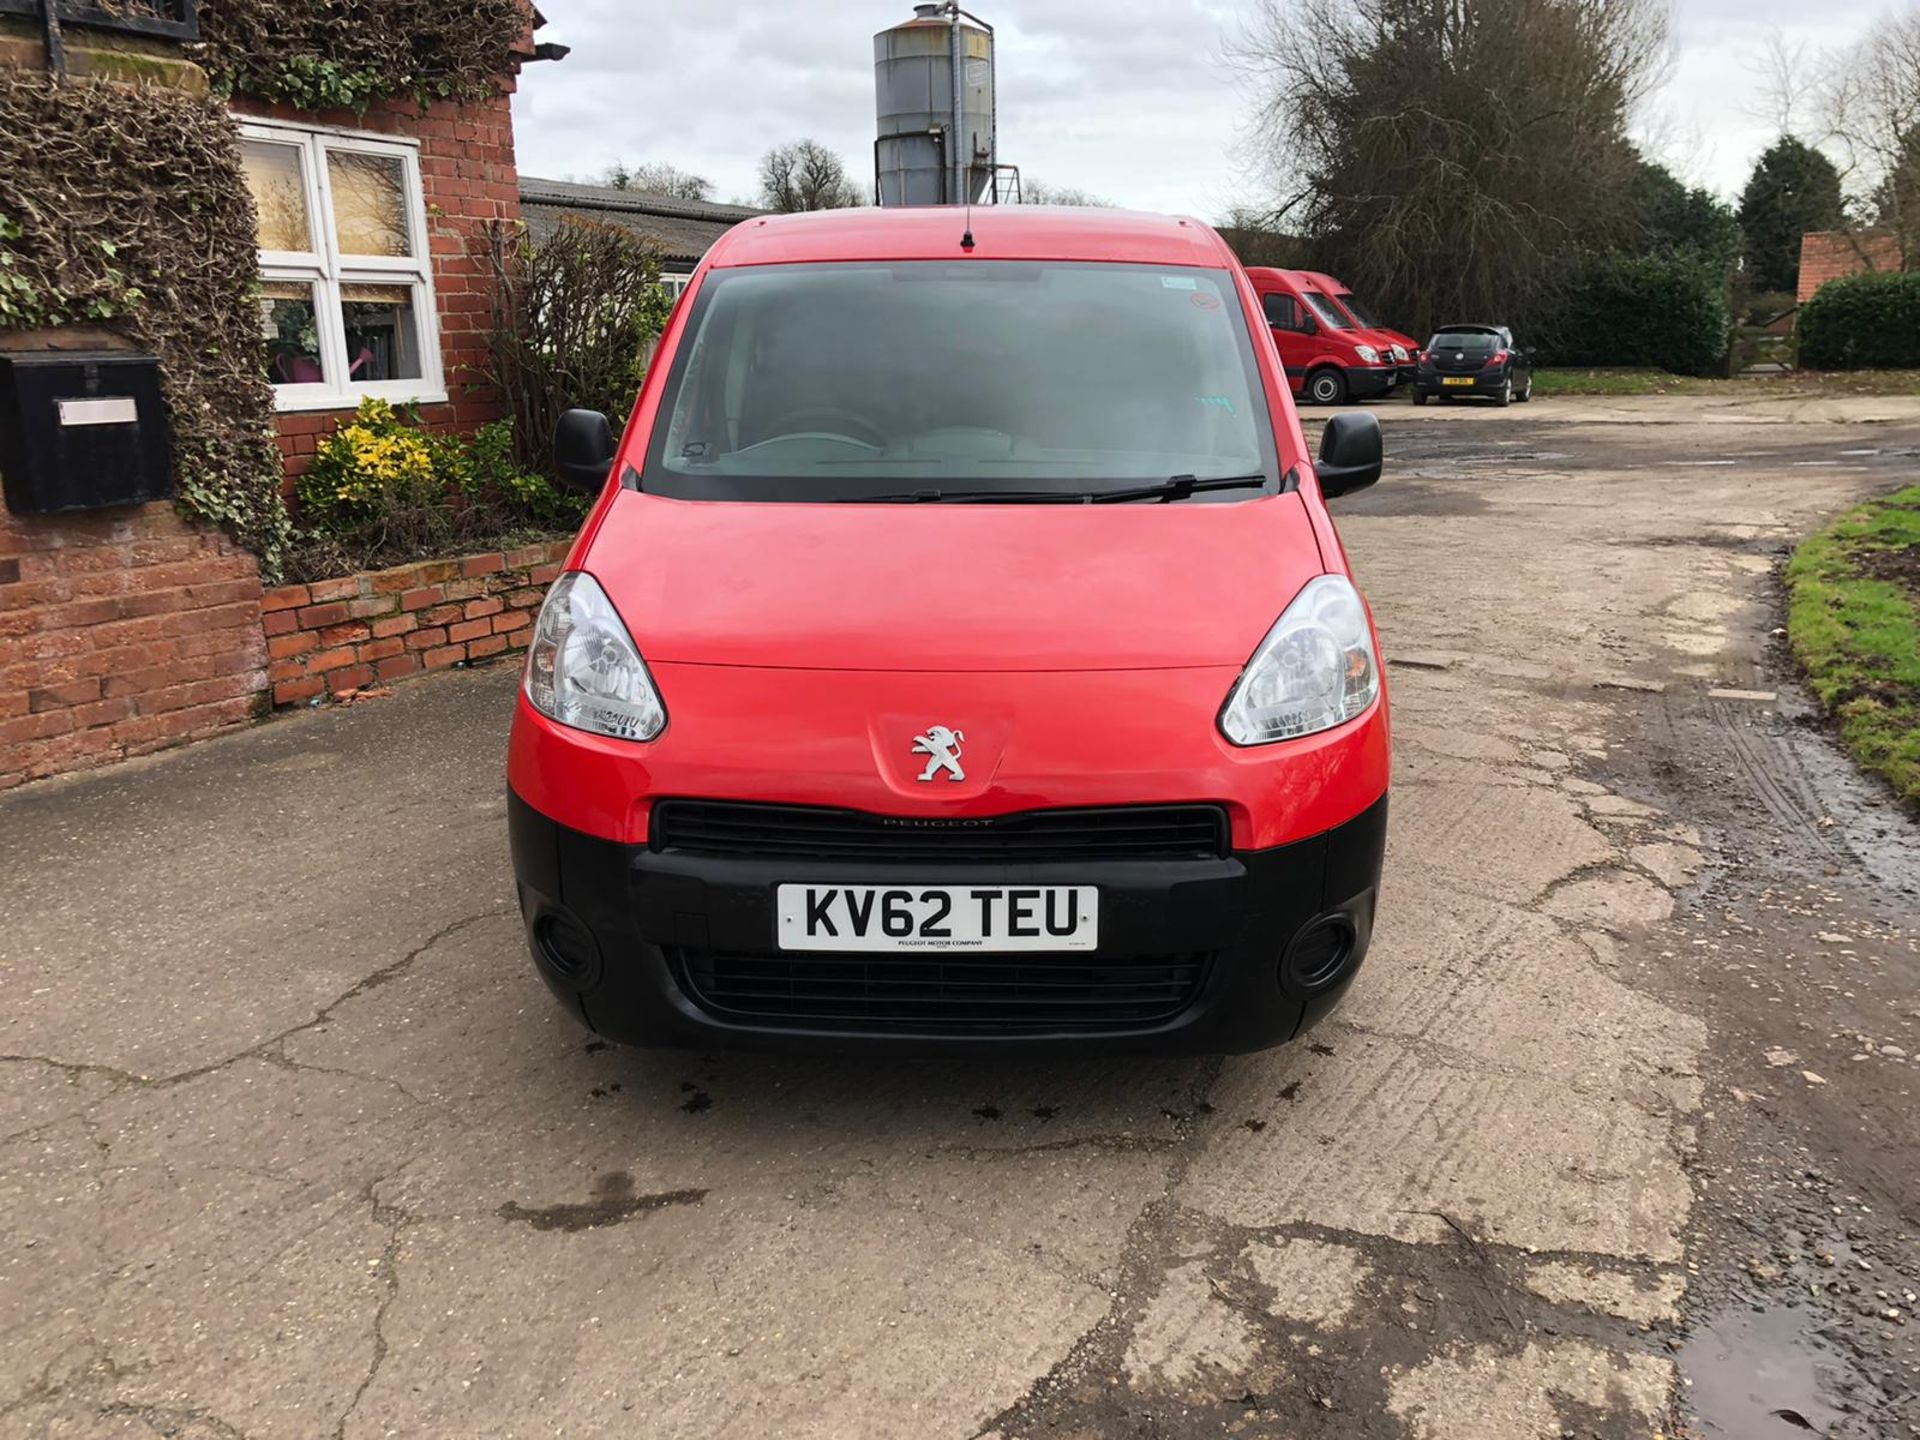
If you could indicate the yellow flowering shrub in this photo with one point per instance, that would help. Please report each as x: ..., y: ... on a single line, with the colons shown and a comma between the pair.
x: 383, y: 491
x: 368, y: 466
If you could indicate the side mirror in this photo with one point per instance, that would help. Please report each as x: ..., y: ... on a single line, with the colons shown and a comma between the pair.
x: 583, y: 450
x: 1309, y: 325
x: 1351, y: 453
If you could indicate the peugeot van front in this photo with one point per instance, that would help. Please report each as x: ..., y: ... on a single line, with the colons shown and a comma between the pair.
x: 959, y: 655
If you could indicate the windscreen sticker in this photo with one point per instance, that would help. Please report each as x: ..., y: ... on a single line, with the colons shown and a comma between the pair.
x: 1179, y: 282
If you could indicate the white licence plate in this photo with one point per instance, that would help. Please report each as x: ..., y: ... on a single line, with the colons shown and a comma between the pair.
x: 938, y: 917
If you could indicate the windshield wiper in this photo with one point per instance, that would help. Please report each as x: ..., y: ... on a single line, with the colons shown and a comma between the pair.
x: 1177, y: 487
x: 1012, y: 497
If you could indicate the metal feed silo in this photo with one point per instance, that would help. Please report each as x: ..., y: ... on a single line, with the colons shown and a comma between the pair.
x: 933, y: 86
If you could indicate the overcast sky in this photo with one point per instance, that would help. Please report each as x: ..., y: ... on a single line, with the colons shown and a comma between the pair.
x: 1131, y: 99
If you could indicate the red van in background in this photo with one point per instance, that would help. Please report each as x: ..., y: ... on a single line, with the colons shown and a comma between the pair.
x: 1406, y: 349
x: 1329, y: 360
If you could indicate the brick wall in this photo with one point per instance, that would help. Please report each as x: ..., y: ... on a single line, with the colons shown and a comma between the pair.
x: 1829, y: 254
x: 334, y: 637
x: 469, y: 175
x: 120, y: 632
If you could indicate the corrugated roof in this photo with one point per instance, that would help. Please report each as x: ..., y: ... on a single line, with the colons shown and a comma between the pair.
x: 682, y: 229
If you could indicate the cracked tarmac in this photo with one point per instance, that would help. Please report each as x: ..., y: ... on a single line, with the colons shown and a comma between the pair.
x: 293, y: 1143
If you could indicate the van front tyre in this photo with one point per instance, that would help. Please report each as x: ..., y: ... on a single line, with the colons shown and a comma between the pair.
x: 1419, y: 397
x: 1327, y: 387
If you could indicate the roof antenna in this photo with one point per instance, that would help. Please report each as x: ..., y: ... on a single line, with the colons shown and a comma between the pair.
x: 966, y: 236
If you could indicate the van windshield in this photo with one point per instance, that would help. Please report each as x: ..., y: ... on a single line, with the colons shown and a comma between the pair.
x: 1328, y: 312
x: 837, y: 381
x: 1361, y: 315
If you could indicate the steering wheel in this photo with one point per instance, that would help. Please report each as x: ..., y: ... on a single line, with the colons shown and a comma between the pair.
x: 824, y: 422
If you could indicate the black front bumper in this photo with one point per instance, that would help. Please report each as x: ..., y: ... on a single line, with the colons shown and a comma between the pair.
x: 1370, y: 384
x: 623, y: 934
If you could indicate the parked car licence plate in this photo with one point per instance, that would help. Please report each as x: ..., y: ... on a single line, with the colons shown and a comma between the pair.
x: 1456, y: 380
x: 938, y: 917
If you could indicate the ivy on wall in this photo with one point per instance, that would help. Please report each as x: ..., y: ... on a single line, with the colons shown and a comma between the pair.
x: 124, y: 206
x: 348, y: 54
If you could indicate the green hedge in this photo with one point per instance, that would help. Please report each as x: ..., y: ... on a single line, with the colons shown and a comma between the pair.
x: 1863, y: 322
x: 1665, y: 311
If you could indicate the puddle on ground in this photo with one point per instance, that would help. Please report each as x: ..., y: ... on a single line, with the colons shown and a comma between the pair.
x: 1753, y: 1375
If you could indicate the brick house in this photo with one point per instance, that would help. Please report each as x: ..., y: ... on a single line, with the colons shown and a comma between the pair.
x: 126, y: 630
x: 1830, y: 254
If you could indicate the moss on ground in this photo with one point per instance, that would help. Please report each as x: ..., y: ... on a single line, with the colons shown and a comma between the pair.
x: 1854, y: 623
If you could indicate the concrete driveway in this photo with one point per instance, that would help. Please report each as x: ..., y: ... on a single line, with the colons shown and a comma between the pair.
x: 296, y: 1144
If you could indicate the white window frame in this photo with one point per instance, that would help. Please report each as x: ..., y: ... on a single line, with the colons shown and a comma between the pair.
x: 328, y: 270
x: 675, y: 282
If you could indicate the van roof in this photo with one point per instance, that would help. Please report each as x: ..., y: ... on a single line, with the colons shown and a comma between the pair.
x: 1303, y: 280
x: 1000, y: 232
x: 1320, y: 280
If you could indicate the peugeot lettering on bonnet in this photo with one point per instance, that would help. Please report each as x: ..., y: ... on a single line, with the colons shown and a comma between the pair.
x: 959, y: 655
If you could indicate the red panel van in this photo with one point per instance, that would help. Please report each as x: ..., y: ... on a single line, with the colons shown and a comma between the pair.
x: 959, y: 655
x: 1405, y: 349
x: 1329, y: 360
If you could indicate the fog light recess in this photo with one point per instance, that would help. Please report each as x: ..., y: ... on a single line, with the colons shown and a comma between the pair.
x: 566, y: 946
x: 1319, y: 956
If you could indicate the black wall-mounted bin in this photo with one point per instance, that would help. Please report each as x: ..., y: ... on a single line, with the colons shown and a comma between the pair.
x: 82, y: 431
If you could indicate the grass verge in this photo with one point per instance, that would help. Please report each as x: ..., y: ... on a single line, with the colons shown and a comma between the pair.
x: 1811, y: 384
x: 1853, y: 620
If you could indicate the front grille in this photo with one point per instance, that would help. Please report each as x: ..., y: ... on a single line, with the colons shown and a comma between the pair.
x: 802, y: 832
x: 976, y: 993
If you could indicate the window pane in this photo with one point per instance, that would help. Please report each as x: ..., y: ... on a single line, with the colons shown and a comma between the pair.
x: 279, y: 193
x: 369, y: 203
x: 290, y: 326
x: 383, y: 333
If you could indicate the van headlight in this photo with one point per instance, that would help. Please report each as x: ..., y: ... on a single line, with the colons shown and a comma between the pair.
x: 583, y: 669
x: 1367, y: 353
x: 1315, y: 670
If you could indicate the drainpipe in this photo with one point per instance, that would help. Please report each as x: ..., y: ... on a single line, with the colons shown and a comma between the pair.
x: 57, y: 45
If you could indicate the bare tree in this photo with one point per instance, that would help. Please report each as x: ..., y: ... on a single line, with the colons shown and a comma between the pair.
x: 1871, y: 113
x: 1258, y: 238
x: 805, y: 175
x: 657, y: 177
x: 1784, y: 77
x: 1040, y: 192
x: 572, y: 321
x: 1444, y: 154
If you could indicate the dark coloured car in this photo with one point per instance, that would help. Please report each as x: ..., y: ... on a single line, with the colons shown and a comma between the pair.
x: 1473, y: 360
